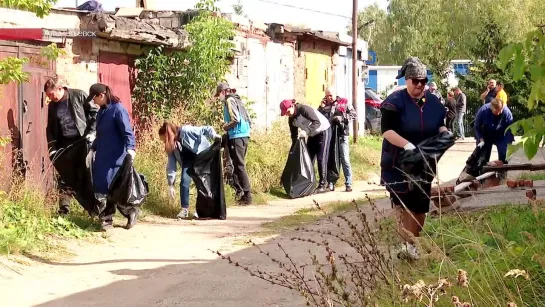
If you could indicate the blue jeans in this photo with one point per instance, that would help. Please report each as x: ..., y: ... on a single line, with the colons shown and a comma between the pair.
x: 184, y: 186
x: 345, y: 160
x: 460, y: 121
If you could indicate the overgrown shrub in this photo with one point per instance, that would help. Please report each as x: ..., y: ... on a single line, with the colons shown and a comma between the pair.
x: 28, y: 224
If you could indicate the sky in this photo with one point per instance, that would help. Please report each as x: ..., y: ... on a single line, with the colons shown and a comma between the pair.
x: 268, y: 11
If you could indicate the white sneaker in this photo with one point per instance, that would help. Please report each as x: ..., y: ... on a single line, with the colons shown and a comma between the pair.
x: 408, y: 252
x: 183, y: 214
x: 195, y: 215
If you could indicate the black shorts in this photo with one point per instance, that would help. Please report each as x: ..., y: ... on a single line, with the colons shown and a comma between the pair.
x: 417, y: 200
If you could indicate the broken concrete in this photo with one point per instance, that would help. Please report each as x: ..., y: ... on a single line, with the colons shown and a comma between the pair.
x: 135, y: 30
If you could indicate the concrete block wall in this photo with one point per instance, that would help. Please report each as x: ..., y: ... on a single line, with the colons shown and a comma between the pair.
x: 299, y: 71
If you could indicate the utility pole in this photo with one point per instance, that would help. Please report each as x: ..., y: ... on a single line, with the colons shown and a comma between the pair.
x: 354, y: 64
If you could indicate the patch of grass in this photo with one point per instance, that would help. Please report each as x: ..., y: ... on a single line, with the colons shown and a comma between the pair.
x: 487, y: 245
x: 267, y: 153
x: 532, y: 176
x: 28, y: 225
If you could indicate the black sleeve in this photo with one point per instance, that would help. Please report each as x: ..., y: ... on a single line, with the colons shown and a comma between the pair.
x: 390, y: 120
x: 50, y: 134
x: 293, y: 130
x: 309, y: 113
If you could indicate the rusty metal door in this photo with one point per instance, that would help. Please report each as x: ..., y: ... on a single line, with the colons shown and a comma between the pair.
x: 34, y: 117
x: 10, y: 136
x: 117, y: 71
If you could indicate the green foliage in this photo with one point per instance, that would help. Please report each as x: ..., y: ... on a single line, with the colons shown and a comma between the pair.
x: 52, y: 52
x: 168, y: 81
x: 487, y: 245
x: 40, y: 7
x: 438, y: 31
x: 26, y: 225
x: 11, y: 70
x: 526, y: 61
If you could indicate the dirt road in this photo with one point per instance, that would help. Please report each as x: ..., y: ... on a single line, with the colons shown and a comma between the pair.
x: 169, y: 263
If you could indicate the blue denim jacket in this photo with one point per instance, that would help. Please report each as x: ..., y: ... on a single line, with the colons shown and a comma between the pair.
x: 190, y: 138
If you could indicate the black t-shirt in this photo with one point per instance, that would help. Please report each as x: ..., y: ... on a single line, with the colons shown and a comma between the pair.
x: 490, y: 96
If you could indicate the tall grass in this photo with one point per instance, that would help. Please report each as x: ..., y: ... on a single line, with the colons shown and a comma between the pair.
x: 28, y: 223
x: 491, y: 257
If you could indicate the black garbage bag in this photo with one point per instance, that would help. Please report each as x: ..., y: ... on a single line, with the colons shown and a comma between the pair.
x: 334, y: 160
x: 474, y: 165
x: 69, y: 162
x: 298, y: 178
x: 128, y: 188
x: 420, y: 164
x: 207, y: 174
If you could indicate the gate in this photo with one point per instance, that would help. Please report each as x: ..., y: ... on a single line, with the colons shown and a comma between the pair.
x: 23, y: 106
x: 117, y: 71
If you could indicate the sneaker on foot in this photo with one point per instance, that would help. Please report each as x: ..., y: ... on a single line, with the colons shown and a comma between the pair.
x: 321, y: 190
x: 183, y: 214
x: 331, y: 187
x: 195, y: 215
x: 348, y: 188
x: 245, y: 200
x: 107, y: 225
x: 408, y: 252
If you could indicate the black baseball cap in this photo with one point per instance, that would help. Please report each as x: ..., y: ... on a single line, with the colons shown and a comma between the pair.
x: 95, y: 89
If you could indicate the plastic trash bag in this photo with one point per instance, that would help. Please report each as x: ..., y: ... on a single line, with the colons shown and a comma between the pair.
x: 128, y: 188
x: 298, y: 177
x: 334, y: 160
x: 420, y: 164
x: 207, y: 174
x: 474, y: 165
x: 70, y: 165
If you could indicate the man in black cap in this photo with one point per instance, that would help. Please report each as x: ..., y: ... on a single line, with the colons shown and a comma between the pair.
x: 238, y: 126
x: 71, y: 118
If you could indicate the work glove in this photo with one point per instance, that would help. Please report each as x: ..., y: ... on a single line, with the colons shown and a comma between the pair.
x: 52, y: 154
x: 481, y: 144
x: 131, y: 153
x: 90, y: 138
x: 89, y: 159
x: 409, y: 146
x: 302, y: 134
x: 171, y: 192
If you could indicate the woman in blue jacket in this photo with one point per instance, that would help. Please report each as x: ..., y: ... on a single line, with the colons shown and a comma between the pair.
x: 491, y: 123
x: 182, y: 145
x: 409, y: 117
x: 114, y: 140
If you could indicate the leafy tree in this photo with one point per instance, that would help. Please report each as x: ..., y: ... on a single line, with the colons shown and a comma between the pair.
x: 186, y: 79
x: 522, y: 60
x: 438, y: 31
x: 40, y: 7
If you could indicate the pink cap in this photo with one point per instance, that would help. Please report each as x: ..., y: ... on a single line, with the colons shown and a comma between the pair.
x: 285, y: 105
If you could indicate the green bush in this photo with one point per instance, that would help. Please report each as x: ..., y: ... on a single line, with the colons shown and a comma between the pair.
x: 27, y: 223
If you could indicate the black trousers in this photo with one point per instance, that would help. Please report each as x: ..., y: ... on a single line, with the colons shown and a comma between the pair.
x: 67, y: 178
x: 238, y: 148
x: 318, y: 149
x: 450, y: 124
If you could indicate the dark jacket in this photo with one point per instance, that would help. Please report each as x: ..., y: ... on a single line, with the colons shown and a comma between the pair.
x: 83, y: 113
x: 450, y: 104
x: 307, y: 119
x: 340, y: 113
x: 461, y: 103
